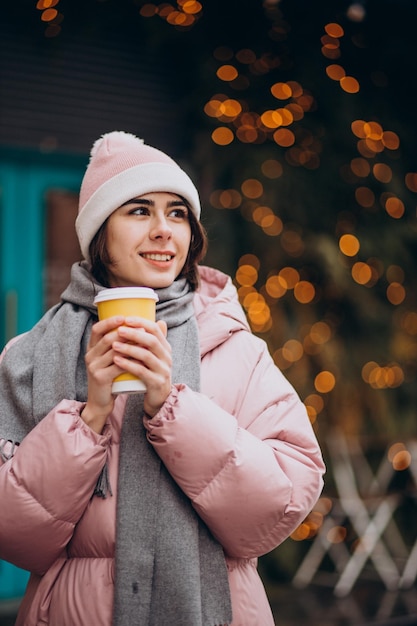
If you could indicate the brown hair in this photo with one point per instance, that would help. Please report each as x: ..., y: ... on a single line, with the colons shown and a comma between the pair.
x: 100, y: 259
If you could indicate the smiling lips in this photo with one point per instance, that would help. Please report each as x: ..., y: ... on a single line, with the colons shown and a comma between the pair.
x: 153, y: 256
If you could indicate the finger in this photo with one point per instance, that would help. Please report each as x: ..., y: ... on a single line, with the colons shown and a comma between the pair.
x: 151, y: 357
x: 154, y: 338
x: 103, y: 327
x: 163, y: 326
x: 151, y: 370
x: 156, y: 328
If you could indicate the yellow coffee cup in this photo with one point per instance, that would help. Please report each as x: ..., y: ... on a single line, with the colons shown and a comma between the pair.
x: 129, y: 302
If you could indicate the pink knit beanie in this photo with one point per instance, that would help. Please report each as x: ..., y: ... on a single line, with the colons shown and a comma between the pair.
x: 122, y: 167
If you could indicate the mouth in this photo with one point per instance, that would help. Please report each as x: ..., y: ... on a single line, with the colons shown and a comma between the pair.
x: 154, y: 256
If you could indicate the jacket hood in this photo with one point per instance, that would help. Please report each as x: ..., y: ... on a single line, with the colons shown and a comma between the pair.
x: 217, y: 307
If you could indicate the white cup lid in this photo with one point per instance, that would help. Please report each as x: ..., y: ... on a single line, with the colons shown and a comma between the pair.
x: 116, y: 293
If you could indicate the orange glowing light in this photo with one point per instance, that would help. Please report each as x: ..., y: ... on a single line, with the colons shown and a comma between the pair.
x: 375, y: 145
x: 395, y: 273
x: 367, y: 370
x: 259, y: 214
x: 364, y: 148
x: 365, y: 197
x: 296, y: 88
x: 358, y: 128
x: 361, y: 273
x: 330, y: 42
x: 230, y: 199
x: 304, y: 291
x: 337, y: 534
x: 409, y: 322
x: 225, y: 198
x: 191, y: 6
x: 46, y: 4
x: 213, y: 108
x: 360, y: 167
x: 390, y: 140
x: 271, y: 119
x: 334, y: 30
x: 311, y: 413
x: 396, y: 293
x: 306, y: 102
x: 335, y: 72
x: 276, y: 287
x: 252, y: 188
x: 285, y: 115
x: 222, y: 136
x: 292, y: 350
x: 349, y: 245
x: 279, y: 360
x: 373, y: 130
x: 301, y: 533
x: 401, y: 461
x: 284, y: 137
x: 48, y: 15
x: 394, y: 449
x: 290, y: 276
x: 165, y: 9
x: 281, y: 91
x: 399, y: 456
x: 349, y: 84
x: 227, y: 73
x: 246, y: 275
x: 272, y: 225
x: 292, y: 242
x: 231, y: 108
x: 324, y: 382
x: 226, y: 110
x: 247, y: 134
x: 176, y: 18
x: 331, y: 52
x: 251, y: 298
x: 382, y: 172
x: 395, y: 207
x: 411, y: 181
x: 296, y: 111
x: 250, y: 259
x: 320, y: 332
x: 314, y: 401
x: 271, y: 168
x: 260, y: 315
x: 148, y: 10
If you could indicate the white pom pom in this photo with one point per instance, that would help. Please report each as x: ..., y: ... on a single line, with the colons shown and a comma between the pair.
x: 115, y: 134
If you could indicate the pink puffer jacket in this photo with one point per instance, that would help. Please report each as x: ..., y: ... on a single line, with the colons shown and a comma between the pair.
x: 242, y: 450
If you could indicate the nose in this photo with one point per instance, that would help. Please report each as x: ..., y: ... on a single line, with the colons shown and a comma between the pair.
x: 160, y: 228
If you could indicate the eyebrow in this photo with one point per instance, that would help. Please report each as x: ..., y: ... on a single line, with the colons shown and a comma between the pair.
x: 148, y: 202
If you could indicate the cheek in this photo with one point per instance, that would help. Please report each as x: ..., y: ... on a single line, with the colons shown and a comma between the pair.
x: 186, y: 239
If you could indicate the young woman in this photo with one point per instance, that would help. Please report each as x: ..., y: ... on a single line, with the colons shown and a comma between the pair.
x: 147, y: 509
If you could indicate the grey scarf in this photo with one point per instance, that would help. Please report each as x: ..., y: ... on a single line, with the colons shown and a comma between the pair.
x: 169, y: 568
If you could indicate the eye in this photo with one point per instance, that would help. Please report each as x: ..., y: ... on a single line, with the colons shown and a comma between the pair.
x: 139, y: 210
x: 179, y: 213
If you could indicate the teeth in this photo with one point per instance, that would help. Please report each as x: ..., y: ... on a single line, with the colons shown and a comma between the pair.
x: 158, y: 257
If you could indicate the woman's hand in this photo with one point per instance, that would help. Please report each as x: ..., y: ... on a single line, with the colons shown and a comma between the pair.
x: 101, y: 370
x: 143, y: 350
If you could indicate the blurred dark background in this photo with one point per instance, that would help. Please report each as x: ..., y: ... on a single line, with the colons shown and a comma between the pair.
x: 296, y: 120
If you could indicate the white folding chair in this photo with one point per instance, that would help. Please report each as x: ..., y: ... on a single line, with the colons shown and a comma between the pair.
x: 409, y: 574
x: 362, y: 502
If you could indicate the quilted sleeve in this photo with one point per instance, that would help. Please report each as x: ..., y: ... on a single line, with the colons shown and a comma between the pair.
x: 46, y: 486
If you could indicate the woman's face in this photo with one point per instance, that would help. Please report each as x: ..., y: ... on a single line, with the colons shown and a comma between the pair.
x: 148, y: 239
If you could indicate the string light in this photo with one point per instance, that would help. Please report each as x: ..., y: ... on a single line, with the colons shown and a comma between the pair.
x: 183, y: 16
x: 51, y: 16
